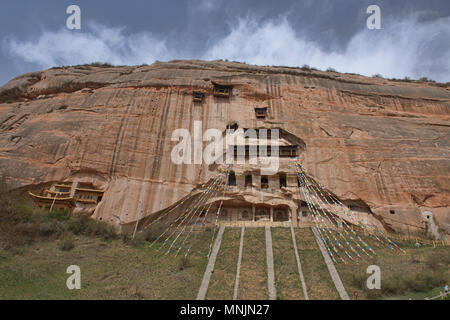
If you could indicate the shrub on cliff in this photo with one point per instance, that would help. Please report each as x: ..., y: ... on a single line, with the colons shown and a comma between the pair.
x: 101, y: 64
x: 425, y: 79
x: 305, y: 67
x: 58, y: 214
x: 66, y: 243
x: 11, y: 95
x: 85, y: 225
x: 102, y: 229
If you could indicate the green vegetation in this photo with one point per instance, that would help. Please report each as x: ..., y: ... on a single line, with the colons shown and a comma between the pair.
x: 306, y: 67
x: 319, y: 284
x: 8, y: 96
x: 421, y: 272
x: 67, y: 243
x: 287, y: 279
x: 121, y: 268
x: 221, y: 285
x: 37, y: 247
x: 425, y: 79
x: 21, y: 226
x: 100, y: 64
x: 109, y: 270
x: 253, y: 277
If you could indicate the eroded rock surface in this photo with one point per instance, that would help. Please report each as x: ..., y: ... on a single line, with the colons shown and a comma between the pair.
x: 385, y: 144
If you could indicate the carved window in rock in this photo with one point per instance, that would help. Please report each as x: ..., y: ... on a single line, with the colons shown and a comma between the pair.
x: 245, y: 215
x: 248, y: 180
x: 288, y: 151
x: 198, y: 96
x: 283, y: 182
x: 232, y: 179
x: 222, y: 90
x: 262, y: 214
x: 261, y: 113
x: 281, y: 215
x: 224, y: 214
x: 264, y: 182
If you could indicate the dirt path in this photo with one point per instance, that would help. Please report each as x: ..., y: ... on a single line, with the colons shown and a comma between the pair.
x: 238, y: 269
x: 270, y: 270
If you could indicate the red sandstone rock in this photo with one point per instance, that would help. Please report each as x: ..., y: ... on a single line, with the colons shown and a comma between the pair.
x: 381, y: 143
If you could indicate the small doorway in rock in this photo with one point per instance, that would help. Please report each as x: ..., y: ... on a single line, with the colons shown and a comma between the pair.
x: 222, y: 90
x: 198, y: 96
x: 224, y: 215
x: 262, y: 214
x: 264, y: 182
x: 261, y: 113
x: 281, y: 215
x: 232, y: 179
x: 283, y: 180
x: 245, y: 215
x: 248, y: 180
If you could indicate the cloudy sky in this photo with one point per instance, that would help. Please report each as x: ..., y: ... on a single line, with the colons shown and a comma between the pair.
x: 413, y: 40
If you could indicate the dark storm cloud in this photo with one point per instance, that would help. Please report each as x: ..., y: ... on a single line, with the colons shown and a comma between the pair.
x: 329, y: 33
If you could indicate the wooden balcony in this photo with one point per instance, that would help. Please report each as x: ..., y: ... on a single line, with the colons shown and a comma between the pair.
x: 198, y: 96
x: 223, y: 91
x: 261, y: 113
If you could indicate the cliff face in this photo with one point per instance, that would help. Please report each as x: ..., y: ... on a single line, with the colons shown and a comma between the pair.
x: 384, y: 144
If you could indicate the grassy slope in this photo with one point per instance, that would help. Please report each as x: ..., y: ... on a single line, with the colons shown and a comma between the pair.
x: 318, y: 280
x: 221, y: 285
x: 109, y: 270
x: 253, y: 283
x: 115, y: 270
x: 287, y: 280
x: 421, y: 272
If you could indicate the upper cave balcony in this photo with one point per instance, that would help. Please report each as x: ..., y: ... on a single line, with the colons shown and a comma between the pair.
x: 223, y: 91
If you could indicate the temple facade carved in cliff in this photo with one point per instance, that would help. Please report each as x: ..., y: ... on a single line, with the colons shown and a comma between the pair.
x: 251, y: 195
x: 69, y: 196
